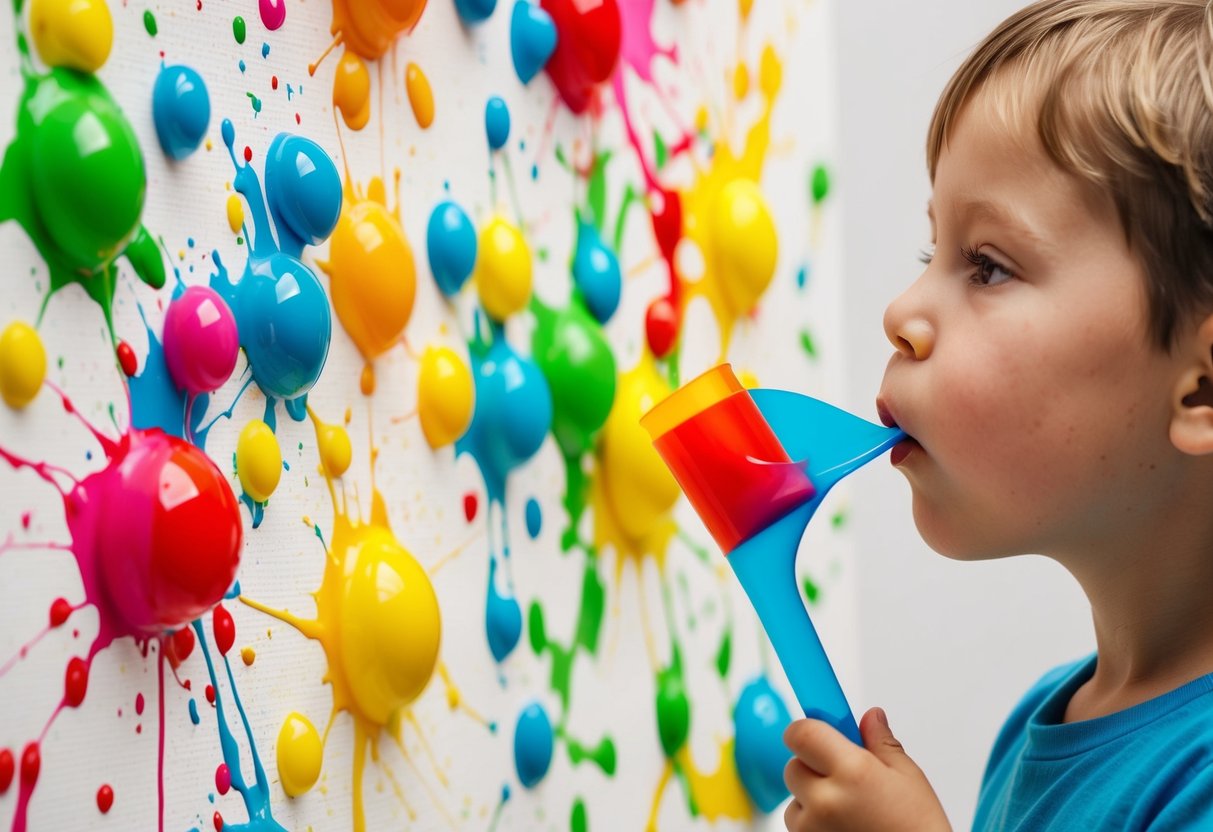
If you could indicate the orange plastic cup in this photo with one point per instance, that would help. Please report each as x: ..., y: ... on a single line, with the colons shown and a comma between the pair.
x: 725, y: 457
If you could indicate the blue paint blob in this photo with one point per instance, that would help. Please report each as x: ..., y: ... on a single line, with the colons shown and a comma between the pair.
x: 497, y: 122
x: 596, y: 272
x: 265, y: 50
x: 532, y: 38
x: 759, y: 722
x: 242, y: 66
x: 474, y: 11
x: 533, y: 741
x: 502, y: 618
x: 802, y: 277
x: 451, y: 244
x: 282, y: 313
x: 181, y: 110
x: 194, y: 718
x: 534, y: 518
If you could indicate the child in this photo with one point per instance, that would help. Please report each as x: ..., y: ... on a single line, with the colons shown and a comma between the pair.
x: 1053, y: 364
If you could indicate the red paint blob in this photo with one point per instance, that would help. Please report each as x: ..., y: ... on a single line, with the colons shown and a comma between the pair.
x: 105, y: 798
x: 210, y: 694
x: 75, y: 682
x: 139, y: 728
x: 296, y: 118
x: 588, y: 39
x: 179, y: 646
x: 248, y: 153
x: 225, y: 629
x: 218, y: 821
x: 223, y: 779
x: 7, y: 767
x: 126, y: 359
x: 667, y: 221
x: 274, y: 82
x: 60, y: 611
x: 661, y: 326
x: 25, y: 519
x: 139, y: 704
x: 469, y: 506
x: 165, y: 529
x: 31, y: 764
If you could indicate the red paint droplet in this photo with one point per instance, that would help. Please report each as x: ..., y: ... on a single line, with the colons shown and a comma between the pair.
x: 60, y: 610
x: 180, y: 646
x: 274, y: 82
x: 139, y: 728
x: 210, y: 694
x: 248, y: 153
x: 225, y: 629
x: 223, y: 778
x: 218, y: 822
x: 126, y: 359
x: 25, y: 519
x: 6, y: 769
x: 661, y: 322
x: 105, y: 798
x: 31, y: 764
x: 199, y: 5
x: 296, y: 118
x: 139, y: 704
x: 469, y: 507
x: 75, y: 683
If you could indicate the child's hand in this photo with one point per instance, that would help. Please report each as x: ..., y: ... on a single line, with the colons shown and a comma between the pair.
x: 836, y: 785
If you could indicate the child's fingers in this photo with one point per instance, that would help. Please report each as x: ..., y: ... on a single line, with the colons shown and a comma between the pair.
x: 819, y: 746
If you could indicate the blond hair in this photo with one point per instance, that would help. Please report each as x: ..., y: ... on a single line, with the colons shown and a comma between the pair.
x: 1123, y: 97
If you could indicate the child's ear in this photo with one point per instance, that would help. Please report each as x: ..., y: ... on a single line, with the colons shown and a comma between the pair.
x: 1192, y: 419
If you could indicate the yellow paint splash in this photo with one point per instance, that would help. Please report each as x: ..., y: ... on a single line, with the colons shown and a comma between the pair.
x: 715, y: 794
x: 378, y: 620
x: 372, y: 275
x: 72, y: 33
x: 352, y: 90
x: 22, y: 364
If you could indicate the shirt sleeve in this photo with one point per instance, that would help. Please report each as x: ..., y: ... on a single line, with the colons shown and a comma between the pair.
x: 1192, y: 806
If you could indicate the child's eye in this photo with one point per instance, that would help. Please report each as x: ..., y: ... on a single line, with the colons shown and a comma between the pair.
x: 989, y: 271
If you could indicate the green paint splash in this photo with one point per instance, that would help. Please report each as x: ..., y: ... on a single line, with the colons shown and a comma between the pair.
x: 578, y: 822
x: 819, y: 184
x: 238, y: 29
x: 807, y: 344
x: 149, y: 23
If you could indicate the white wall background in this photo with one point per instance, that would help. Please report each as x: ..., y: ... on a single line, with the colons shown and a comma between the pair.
x: 947, y: 648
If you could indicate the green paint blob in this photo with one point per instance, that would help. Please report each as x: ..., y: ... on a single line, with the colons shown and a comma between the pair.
x: 74, y: 179
x: 725, y: 654
x: 812, y: 592
x: 673, y: 707
x: 807, y: 344
x: 572, y: 352
x: 601, y: 755
x: 238, y: 29
x: 149, y: 23
x: 578, y: 822
x: 819, y: 184
x: 256, y: 102
x: 839, y: 520
x: 661, y: 151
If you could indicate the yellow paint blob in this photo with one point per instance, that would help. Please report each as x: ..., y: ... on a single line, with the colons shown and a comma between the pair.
x: 741, y: 81
x: 370, y: 27
x: 717, y: 794
x: 744, y: 7
x: 248, y: 655
x: 445, y: 396
x: 258, y: 460
x: 72, y: 33
x: 22, y: 364
x: 300, y: 754
x: 235, y: 213
x: 335, y: 450
x: 634, y: 490
x: 421, y: 97
x: 744, y: 243
x: 503, y: 269
x: 373, y: 278
x: 352, y: 90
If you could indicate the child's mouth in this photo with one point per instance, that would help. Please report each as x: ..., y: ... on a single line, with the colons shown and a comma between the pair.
x: 903, y: 448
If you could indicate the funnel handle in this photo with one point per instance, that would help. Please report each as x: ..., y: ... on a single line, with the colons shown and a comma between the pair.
x: 766, y: 567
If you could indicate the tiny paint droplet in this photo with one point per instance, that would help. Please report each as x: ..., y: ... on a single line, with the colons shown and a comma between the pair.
x: 811, y: 591
x: 238, y: 29
x: 235, y: 213
x: 256, y: 102
x: 26, y: 516
x: 577, y: 820
x: 248, y: 655
x: 421, y: 96
x: 819, y: 184
x: 274, y: 82
x: 194, y: 718
x: 470, y: 505
x: 105, y: 798
x: 149, y: 23
x: 31, y: 764
x: 75, y: 682
x: 248, y: 153
x: 225, y: 633
x: 218, y: 819
x: 243, y: 66
x: 60, y: 610
x: 265, y: 50
x: 139, y: 704
x: 7, y: 768
x: 223, y: 779
x: 806, y: 344
x: 802, y: 277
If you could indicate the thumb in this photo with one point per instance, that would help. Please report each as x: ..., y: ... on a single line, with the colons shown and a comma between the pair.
x: 878, y: 738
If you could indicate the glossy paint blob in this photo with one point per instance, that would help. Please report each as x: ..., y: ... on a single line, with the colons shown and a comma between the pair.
x: 445, y: 396
x: 22, y: 364
x: 181, y: 110
x: 201, y: 343
x: 451, y: 246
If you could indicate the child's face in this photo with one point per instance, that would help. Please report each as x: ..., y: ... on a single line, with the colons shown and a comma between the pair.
x: 1022, y: 366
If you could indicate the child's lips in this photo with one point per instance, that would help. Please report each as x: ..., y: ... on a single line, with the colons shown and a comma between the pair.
x: 906, y: 446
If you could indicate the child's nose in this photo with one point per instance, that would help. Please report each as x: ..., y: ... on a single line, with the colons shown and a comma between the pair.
x: 907, y: 329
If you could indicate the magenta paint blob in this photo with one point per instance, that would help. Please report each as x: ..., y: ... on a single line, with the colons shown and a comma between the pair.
x: 200, y: 340
x: 273, y: 13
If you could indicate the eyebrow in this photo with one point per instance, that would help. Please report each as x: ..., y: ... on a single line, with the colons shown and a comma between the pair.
x: 983, y: 209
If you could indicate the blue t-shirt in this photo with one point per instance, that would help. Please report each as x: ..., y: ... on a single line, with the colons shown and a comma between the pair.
x: 1149, y: 767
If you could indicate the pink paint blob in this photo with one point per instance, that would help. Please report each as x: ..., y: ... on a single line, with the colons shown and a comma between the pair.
x: 223, y: 779
x: 200, y: 340
x: 273, y: 13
